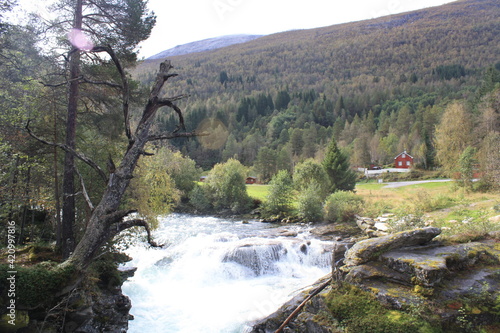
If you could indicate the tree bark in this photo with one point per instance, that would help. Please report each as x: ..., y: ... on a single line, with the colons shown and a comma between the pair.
x: 68, y: 187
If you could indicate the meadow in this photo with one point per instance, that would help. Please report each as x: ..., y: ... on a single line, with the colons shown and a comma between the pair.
x: 460, y: 214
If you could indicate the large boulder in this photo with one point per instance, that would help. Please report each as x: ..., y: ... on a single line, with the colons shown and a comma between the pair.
x: 370, y: 249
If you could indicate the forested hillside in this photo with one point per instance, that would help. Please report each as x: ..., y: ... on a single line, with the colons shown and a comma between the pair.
x: 378, y: 86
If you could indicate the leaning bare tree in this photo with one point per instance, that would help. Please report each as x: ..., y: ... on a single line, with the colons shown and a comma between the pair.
x: 107, y: 220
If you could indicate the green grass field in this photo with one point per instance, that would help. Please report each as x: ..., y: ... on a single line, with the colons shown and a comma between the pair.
x: 439, y: 202
x: 257, y: 191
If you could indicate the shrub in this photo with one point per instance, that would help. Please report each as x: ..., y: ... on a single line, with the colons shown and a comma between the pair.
x: 309, y: 171
x: 199, y: 200
x: 342, y: 206
x: 226, y: 187
x: 280, y: 195
x: 310, y: 203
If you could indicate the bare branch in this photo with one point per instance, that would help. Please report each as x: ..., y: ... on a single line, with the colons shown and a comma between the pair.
x: 153, y: 102
x: 173, y: 135
x: 84, y: 190
x: 166, y: 102
x: 169, y: 102
x: 78, y: 155
x: 110, y: 84
x: 161, y: 78
x: 301, y: 305
x: 125, y: 87
x: 163, y: 101
x: 118, y: 216
x: 138, y: 223
x: 53, y: 85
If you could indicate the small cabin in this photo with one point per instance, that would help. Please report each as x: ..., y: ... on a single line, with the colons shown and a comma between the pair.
x: 251, y: 180
x: 403, y: 161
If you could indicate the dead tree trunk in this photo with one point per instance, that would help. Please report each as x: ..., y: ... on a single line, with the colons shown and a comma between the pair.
x: 106, y: 220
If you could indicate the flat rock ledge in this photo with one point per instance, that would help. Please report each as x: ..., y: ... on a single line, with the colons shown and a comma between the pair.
x: 371, y: 249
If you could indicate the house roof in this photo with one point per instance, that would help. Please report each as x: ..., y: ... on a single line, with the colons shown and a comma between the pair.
x: 402, y: 154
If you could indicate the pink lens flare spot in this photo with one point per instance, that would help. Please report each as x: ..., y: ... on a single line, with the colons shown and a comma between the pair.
x: 80, y: 40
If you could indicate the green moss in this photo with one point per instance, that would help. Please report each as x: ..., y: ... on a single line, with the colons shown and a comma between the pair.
x: 359, y: 311
x: 21, y: 320
x: 423, y: 291
x: 38, y: 284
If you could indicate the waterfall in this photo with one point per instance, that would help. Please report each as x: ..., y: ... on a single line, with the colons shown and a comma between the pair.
x: 218, y: 275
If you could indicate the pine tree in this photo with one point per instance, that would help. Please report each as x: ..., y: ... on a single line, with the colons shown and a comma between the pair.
x: 336, y: 164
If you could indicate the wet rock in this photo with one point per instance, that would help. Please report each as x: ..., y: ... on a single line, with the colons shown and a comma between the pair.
x: 164, y: 262
x: 381, y: 226
x: 288, y: 233
x: 426, y: 270
x: 310, y: 320
x: 371, y: 249
x: 376, y: 271
x: 127, y: 272
x: 494, y: 235
x: 374, y: 227
x: 331, y: 231
x: 259, y: 257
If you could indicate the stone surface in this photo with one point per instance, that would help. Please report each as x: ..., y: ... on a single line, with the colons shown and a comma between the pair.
x: 259, y: 257
x: 408, y: 269
x: 333, y: 230
x: 371, y: 249
x: 309, y: 320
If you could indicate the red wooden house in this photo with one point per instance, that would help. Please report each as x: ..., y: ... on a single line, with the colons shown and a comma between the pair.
x: 403, y: 161
x: 251, y: 180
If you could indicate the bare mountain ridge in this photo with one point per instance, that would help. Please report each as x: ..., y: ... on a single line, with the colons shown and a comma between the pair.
x: 204, y: 45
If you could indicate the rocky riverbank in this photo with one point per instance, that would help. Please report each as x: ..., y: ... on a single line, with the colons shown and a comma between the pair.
x: 409, y: 281
x: 52, y: 299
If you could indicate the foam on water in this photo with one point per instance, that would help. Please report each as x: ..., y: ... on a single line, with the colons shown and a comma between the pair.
x: 218, y: 275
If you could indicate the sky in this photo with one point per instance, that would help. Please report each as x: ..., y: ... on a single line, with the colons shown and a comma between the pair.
x: 183, y: 21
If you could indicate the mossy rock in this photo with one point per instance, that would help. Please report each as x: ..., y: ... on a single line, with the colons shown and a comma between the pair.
x: 38, y: 284
x: 359, y: 311
x: 8, y: 324
x: 371, y: 249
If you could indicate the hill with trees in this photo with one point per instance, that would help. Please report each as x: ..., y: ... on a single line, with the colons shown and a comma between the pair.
x: 378, y: 86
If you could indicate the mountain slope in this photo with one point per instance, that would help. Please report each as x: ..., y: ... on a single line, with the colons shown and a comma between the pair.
x: 294, y: 90
x: 204, y: 45
x: 465, y: 32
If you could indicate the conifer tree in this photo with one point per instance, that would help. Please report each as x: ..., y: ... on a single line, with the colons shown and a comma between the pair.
x: 336, y: 164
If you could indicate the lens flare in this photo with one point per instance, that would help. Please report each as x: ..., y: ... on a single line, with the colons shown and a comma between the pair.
x: 80, y: 40
x: 218, y: 133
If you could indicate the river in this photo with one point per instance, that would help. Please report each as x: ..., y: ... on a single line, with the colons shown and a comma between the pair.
x: 218, y: 275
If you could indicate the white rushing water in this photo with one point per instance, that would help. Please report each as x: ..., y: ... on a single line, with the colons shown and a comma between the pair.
x: 218, y: 275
